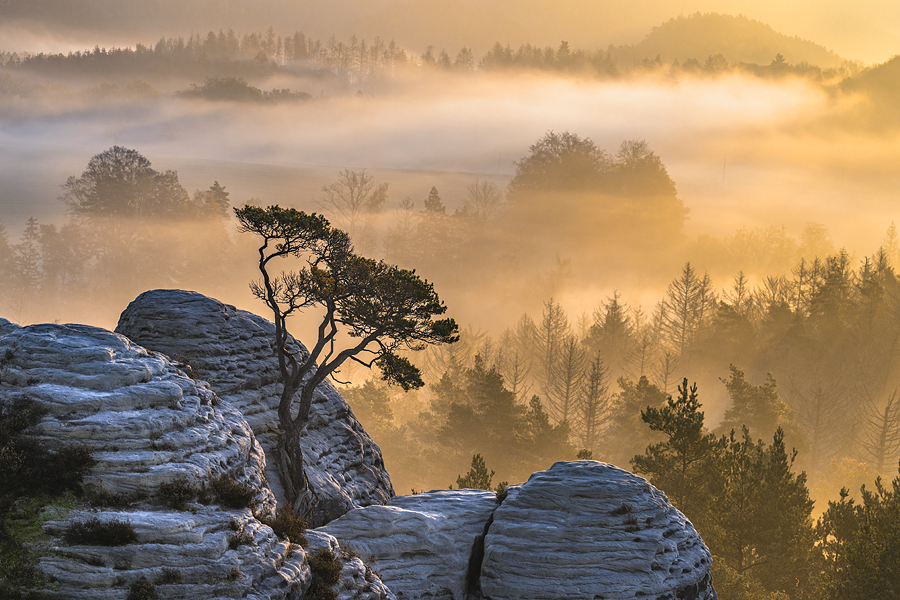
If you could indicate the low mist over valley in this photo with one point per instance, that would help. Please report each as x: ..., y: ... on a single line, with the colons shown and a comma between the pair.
x: 614, y: 204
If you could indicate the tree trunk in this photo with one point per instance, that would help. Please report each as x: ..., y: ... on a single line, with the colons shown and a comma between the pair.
x: 293, y: 476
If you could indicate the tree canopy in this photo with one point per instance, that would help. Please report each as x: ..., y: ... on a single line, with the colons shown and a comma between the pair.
x: 381, y: 308
x: 120, y: 183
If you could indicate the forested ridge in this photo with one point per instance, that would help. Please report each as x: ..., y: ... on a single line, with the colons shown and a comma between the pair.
x: 708, y: 44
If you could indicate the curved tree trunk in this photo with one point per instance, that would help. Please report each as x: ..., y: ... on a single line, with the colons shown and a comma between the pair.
x: 293, y: 475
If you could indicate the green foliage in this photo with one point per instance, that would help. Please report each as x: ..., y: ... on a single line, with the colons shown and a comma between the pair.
x: 756, y: 407
x: 477, y: 478
x: 142, y: 589
x: 861, y: 544
x: 501, y: 490
x: 399, y: 370
x: 622, y: 509
x: 382, y: 306
x: 478, y: 413
x: 561, y: 161
x: 94, y: 532
x: 750, y: 507
x: 585, y: 454
x: 676, y: 464
x: 734, y: 586
x: 31, y: 477
x: 27, y: 467
x: 626, y: 198
x: 758, y: 519
x: 326, y: 573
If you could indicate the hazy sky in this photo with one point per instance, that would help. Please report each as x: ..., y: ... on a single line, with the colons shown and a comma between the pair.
x: 867, y: 30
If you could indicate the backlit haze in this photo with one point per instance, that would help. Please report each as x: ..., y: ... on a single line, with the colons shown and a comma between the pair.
x: 811, y: 150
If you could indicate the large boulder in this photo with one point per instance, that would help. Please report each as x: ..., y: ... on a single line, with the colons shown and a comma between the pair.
x: 590, y: 530
x: 146, y: 424
x: 234, y: 351
x: 422, y: 545
x: 578, y: 530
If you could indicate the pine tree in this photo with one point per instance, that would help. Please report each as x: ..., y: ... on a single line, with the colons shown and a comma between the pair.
x: 676, y: 465
x: 477, y: 478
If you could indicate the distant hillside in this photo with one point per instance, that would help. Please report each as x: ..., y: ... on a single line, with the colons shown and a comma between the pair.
x: 739, y: 39
x: 881, y: 84
x: 881, y: 81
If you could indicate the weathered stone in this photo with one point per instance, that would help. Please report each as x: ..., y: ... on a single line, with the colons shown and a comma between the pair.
x: 194, y: 545
x: 420, y: 545
x: 358, y: 580
x: 590, y: 530
x: 7, y: 326
x: 234, y: 351
x: 146, y: 423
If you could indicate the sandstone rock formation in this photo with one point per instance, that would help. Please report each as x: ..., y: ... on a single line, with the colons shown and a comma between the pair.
x: 422, y: 545
x: 146, y: 424
x: 358, y: 581
x: 233, y: 350
x: 590, y: 530
x: 578, y: 530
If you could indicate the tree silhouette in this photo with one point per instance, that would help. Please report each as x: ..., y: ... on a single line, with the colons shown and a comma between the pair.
x: 381, y: 308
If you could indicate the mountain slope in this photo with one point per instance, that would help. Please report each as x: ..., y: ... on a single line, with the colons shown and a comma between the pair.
x: 739, y: 39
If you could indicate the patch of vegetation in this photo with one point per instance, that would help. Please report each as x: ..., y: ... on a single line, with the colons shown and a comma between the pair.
x: 326, y: 573
x: 241, y: 537
x: 287, y: 525
x: 477, y: 478
x: 622, y: 509
x: 230, y: 493
x: 176, y: 494
x: 94, y: 532
x: 235, y: 89
x: 501, y: 490
x: 34, y: 478
x: 28, y: 468
x: 169, y: 576
x: 631, y: 524
x: 142, y: 590
x: 102, y: 498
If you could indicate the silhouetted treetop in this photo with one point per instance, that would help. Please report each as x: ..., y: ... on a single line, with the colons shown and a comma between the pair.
x: 120, y: 183
x: 561, y: 161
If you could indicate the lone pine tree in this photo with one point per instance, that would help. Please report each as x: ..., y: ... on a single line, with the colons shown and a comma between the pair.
x: 381, y: 308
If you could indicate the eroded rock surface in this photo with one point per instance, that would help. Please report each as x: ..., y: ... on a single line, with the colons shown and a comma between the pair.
x: 420, y: 545
x: 358, y: 579
x: 193, y: 548
x: 590, y: 530
x: 233, y: 350
x: 146, y: 423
